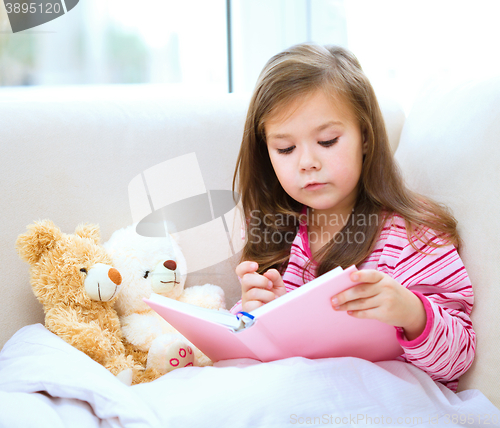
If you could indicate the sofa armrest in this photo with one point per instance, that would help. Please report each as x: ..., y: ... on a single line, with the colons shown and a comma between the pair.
x: 449, y: 151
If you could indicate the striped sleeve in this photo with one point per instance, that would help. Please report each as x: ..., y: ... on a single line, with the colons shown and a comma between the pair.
x: 445, y: 349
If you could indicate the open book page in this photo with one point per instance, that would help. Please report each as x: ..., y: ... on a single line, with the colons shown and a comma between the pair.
x: 224, y: 318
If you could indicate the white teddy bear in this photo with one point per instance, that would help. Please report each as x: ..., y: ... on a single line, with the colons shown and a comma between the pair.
x: 149, y: 264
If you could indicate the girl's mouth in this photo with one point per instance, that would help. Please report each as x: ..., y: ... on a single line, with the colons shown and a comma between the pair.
x: 314, y: 186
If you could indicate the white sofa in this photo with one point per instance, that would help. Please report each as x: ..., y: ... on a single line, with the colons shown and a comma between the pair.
x: 70, y: 154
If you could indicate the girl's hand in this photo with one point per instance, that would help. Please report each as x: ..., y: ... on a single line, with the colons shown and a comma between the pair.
x: 382, y: 298
x: 256, y: 289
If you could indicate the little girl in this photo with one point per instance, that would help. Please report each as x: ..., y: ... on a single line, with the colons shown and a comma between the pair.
x: 320, y: 189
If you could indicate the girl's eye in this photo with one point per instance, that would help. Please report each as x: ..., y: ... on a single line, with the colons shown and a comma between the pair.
x: 286, y: 151
x: 146, y: 274
x: 328, y: 143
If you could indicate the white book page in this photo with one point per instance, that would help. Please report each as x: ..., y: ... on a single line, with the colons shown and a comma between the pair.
x: 219, y: 317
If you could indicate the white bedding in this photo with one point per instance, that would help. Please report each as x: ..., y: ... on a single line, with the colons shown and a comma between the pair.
x: 45, y: 382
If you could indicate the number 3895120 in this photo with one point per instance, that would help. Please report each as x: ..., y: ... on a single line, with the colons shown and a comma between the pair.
x: 33, y: 7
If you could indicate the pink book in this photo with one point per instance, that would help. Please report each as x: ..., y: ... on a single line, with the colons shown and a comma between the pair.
x: 301, y: 323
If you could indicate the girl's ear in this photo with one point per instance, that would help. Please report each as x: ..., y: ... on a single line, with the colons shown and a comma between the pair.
x: 365, y: 143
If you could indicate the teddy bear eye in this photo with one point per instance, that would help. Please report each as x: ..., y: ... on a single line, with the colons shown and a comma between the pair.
x: 146, y: 274
x: 83, y: 270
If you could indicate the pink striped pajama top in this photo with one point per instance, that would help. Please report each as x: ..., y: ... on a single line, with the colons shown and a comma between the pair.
x: 445, y: 349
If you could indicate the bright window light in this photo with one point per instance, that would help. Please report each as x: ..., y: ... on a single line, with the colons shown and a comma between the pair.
x: 401, y: 44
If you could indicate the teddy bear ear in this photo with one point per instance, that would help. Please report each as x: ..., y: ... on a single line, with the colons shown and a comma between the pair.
x: 90, y: 231
x: 40, y: 237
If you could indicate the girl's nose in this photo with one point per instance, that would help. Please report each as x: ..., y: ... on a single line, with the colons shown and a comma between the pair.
x: 309, y: 160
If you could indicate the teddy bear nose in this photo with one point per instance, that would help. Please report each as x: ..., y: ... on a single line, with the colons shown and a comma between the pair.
x: 115, y: 276
x: 170, y: 265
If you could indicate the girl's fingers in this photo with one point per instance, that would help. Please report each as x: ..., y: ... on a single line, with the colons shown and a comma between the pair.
x: 264, y: 296
x: 246, y: 267
x: 367, y: 275
x: 274, y: 276
x: 251, y: 305
x: 256, y: 297
x: 257, y: 289
x: 366, y: 289
x: 358, y: 292
x: 361, y: 304
x: 254, y: 280
x: 278, y: 285
x: 249, y: 278
x: 365, y: 314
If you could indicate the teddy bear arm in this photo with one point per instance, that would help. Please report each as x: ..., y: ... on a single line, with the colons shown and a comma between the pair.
x: 119, y: 363
x: 207, y: 296
x: 141, y: 329
x: 87, y: 336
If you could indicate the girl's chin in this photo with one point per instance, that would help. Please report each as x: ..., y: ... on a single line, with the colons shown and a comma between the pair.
x: 327, y: 208
x: 321, y: 208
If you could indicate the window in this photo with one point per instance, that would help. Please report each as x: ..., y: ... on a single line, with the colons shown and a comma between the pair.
x: 183, y: 43
x: 193, y: 45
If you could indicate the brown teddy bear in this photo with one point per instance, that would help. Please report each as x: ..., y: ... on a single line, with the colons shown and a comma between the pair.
x: 72, y: 277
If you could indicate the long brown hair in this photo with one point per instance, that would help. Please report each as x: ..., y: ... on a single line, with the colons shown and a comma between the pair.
x: 273, y: 216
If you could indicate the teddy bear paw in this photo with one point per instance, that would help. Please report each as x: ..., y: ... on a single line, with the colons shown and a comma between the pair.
x: 125, y: 376
x: 167, y: 355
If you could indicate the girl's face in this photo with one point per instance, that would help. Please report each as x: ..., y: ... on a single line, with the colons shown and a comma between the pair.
x: 316, y: 149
